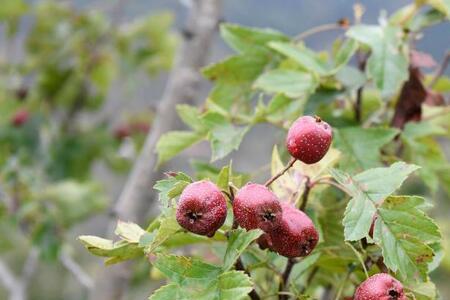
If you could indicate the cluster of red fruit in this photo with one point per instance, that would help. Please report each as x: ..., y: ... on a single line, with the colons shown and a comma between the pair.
x: 202, y: 209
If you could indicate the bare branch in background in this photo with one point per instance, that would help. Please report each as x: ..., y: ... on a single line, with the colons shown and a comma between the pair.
x: 70, y: 264
x: 136, y: 197
x: 17, y: 287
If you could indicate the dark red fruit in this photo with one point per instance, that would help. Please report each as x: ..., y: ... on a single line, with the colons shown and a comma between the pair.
x: 202, y: 208
x: 380, y: 286
x: 309, y: 139
x: 20, y: 118
x: 255, y: 206
x: 295, y: 235
x: 122, y: 131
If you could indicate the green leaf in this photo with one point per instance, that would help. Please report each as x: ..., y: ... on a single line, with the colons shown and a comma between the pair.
x: 224, y: 136
x: 441, y: 5
x: 167, y: 292
x: 167, y: 229
x: 238, y: 241
x: 303, y: 56
x: 244, y: 39
x: 233, y: 285
x: 388, y: 63
x: 422, y: 290
x: 367, y: 189
x: 117, y: 252
x: 236, y: 69
x: 361, y: 147
x: 173, y: 142
x: 402, y: 231
x: 129, y: 231
x: 171, y: 187
x: 223, y: 178
x: 191, y: 117
x: 289, y: 82
x: 181, y: 269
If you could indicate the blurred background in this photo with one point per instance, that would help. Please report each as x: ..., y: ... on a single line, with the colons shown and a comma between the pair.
x: 80, y: 82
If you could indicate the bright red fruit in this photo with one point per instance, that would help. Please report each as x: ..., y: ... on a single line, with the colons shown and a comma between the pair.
x: 309, y: 139
x: 20, y: 118
x: 295, y: 235
x: 255, y: 206
x: 122, y: 131
x: 202, y: 208
x: 380, y: 286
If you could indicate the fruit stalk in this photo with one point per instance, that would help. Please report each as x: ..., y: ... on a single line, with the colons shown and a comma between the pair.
x: 279, y: 174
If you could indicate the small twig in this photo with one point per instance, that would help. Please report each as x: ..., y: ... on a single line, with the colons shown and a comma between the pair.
x: 240, y: 267
x: 7, y: 277
x: 332, y: 183
x: 440, y: 71
x: 70, y: 264
x: 359, y: 93
x: 317, y: 29
x: 279, y: 174
x: 285, y: 278
x: 305, y: 195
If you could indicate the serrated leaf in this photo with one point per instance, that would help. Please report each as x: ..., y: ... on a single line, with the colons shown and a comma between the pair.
x: 116, y: 252
x: 403, y: 231
x: 238, y: 241
x: 166, y: 292
x: 243, y: 39
x: 303, y: 56
x: 289, y: 82
x: 361, y: 147
x: 223, y: 178
x: 422, y: 290
x: 168, y: 227
x: 223, y: 136
x: 173, y: 142
x: 368, y: 189
x: 387, y: 64
x: 171, y: 187
x: 129, y: 231
x: 191, y: 117
x: 181, y: 269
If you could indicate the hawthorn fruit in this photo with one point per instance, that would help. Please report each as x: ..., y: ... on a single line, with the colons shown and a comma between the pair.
x: 380, y: 286
x: 202, y: 208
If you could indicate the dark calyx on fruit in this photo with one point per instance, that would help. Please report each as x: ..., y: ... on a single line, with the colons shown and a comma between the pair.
x: 295, y: 235
x: 309, y: 139
x: 255, y: 206
x: 380, y: 286
x: 202, y: 208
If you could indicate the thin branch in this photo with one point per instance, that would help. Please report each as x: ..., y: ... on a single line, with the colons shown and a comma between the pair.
x: 77, y: 271
x: 359, y: 93
x: 317, y: 29
x: 7, y: 277
x: 240, y: 267
x: 285, y: 278
x: 306, y: 192
x: 440, y: 71
x: 332, y: 183
x: 279, y: 174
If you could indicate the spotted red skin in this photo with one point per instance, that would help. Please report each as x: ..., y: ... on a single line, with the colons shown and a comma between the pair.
x: 20, y: 118
x: 380, y: 286
x: 255, y: 206
x: 309, y: 139
x: 204, y: 199
x: 295, y: 235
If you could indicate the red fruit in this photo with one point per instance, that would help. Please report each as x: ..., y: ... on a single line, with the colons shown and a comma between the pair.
x: 122, y: 131
x: 380, y: 286
x: 202, y: 208
x: 20, y: 118
x: 309, y: 139
x: 255, y: 206
x: 140, y: 127
x: 295, y: 234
